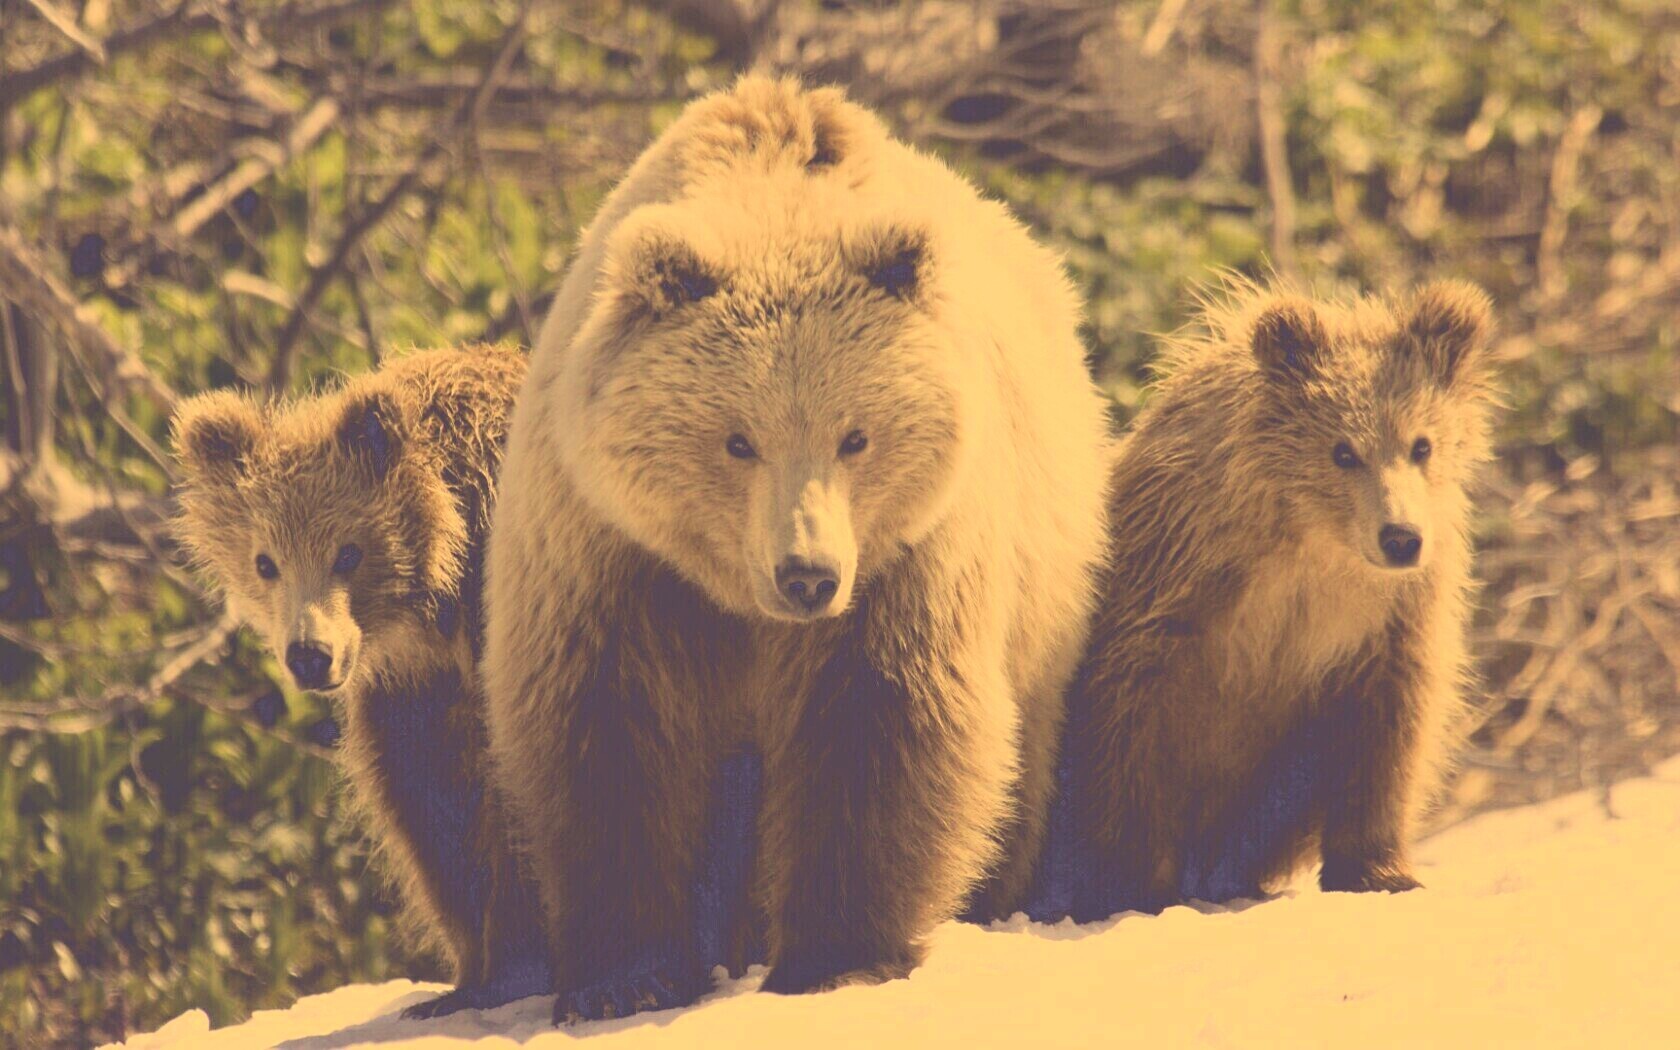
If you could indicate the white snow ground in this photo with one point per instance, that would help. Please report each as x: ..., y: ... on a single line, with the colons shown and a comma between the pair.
x: 1555, y: 925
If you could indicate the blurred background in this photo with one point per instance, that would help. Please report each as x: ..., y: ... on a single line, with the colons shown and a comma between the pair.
x: 206, y: 193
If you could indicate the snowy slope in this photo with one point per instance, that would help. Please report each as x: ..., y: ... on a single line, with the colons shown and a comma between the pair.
x: 1555, y: 925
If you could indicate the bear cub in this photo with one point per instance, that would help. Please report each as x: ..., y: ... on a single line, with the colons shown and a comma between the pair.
x: 1275, y: 669
x: 349, y: 529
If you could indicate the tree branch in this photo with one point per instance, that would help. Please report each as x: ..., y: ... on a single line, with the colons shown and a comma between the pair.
x: 32, y: 284
x: 321, y: 277
x: 184, y: 18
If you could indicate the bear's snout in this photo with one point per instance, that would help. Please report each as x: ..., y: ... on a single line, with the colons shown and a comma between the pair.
x: 1401, y: 545
x: 809, y: 588
x: 310, y: 665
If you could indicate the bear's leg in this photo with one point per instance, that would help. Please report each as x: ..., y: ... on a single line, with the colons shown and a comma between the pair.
x: 515, y: 957
x: 1266, y: 820
x: 729, y: 925
x: 424, y: 775
x: 1124, y: 815
x: 881, y: 807
x: 1029, y: 835
x: 1372, y: 734
x: 633, y: 769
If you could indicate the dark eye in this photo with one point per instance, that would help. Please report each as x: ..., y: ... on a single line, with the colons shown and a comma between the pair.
x: 854, y: 443
x: 266, y: 567
x: 349, y: 556
x: 1345, y: 456
x: 740, y: 447
x: 1421, y: 448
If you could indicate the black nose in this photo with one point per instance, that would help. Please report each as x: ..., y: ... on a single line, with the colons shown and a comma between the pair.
x: 808, y: 587
x: 309, y: 664
x: 1400, y: 544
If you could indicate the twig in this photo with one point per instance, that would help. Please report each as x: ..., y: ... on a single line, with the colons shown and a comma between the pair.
x: 32, y: 284
x: 76, y: 715
x: 182, y: 19
x: 1161, y: 26
x: 1566, y: 171
x: 322, y: 276
x: 303, y: 134
x: 66, y: 24
x: 1274, y: 146
x: 498, y: 235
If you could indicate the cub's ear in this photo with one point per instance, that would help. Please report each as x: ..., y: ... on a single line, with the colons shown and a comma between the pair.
x: 371, y: 431
x: 215, y: 435
x: 896, y: 259
x: 1450, y: 326
x: 660, y: 272
x: 1288, y: 338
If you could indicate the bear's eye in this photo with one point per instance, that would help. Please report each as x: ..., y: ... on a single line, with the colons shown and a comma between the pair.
x: 266, y: 567
x: 1421, y: 448
x: 349, y: 556
x: 854, y: 443
x: 740, y: 447
x: 1345, y: 456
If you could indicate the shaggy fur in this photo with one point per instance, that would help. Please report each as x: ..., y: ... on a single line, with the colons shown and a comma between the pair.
x: 789, y: 343
x: 1262, y: 683
x: 400, y: 464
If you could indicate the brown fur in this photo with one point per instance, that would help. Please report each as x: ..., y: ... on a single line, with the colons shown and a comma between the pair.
x: 400, y: 462
x: 776, y: 268
x: 1246, y: 610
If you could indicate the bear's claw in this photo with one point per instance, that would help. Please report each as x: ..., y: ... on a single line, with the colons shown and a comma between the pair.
x: 629, y: 994
x: 442, y: 1005
x: 1337, y: 878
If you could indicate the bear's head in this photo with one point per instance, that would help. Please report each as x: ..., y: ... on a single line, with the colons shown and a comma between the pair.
x: 765, y: 395
x: 1376, y: 415
x: 322, y: 524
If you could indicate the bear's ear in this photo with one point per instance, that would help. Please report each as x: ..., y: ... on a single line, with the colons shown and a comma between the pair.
x: 370, y: 431
x: 215, y: 435
x: 1449, y: 324
x: 1287, y: 339
x: 662, y: 273
x: 897, y: 260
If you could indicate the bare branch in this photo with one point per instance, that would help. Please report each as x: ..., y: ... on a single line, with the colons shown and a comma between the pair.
x: 77, y: 714
x: 321, y: 277
x: 33, y: 285
x: 1566, y: 170
x: 303, y: 134
x: 66, y: 24
x: 182, y: 19
x: 1274, y: 147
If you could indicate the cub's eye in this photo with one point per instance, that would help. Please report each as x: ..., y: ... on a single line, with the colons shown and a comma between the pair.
x: 349, y: 556
x: 1421, y: 448
x: 854, y: 443
x: 1345, y: 456
x: 740, y: 447
x: 266, y: 567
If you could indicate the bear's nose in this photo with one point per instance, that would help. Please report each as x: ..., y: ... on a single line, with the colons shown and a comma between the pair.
x: 309, y: 664
x: 1400, y: 544
x: 809, y: 588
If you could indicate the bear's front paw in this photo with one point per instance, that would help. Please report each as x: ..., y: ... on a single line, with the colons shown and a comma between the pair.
x: 658, y: 988
x: 464, y: 998
x: 796, y: 977
x: 1359, y: 877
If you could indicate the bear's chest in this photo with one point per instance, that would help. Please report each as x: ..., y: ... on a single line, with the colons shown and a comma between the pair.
x: 1303, y: 612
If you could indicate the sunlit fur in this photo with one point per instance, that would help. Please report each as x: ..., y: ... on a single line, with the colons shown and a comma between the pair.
x: 1259, y: 677
x: 296, y: 481
x: 775, y: 266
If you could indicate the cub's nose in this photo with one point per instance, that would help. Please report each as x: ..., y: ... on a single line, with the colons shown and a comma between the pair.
x: 309, y: 664
x: 1400, y: 544
x: 807, y: 587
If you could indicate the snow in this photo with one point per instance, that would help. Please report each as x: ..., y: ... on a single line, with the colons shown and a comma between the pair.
x: 1553, y: 925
